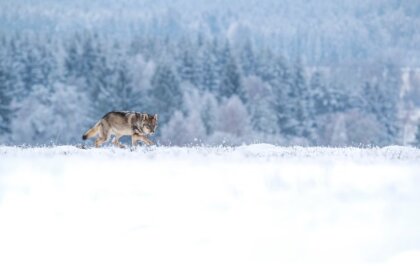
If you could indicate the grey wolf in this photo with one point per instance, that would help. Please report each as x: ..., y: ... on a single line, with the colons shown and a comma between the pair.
x: 123, y: 123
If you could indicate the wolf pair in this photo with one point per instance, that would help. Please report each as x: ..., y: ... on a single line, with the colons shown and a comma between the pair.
x: 123, y: 123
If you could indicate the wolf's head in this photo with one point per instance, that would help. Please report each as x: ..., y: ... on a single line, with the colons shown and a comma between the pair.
x: 149, y: 123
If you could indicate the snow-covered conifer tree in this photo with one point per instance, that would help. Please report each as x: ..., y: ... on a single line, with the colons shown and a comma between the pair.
x: 165, y: 92
x: 231, y: 80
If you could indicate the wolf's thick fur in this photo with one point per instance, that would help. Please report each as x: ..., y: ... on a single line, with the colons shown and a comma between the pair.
x: 121, y: 123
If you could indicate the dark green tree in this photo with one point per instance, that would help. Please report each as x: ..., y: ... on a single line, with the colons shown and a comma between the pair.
x: 165, y: 93
x: 381, y: 97
x: 231, y: 80
x: 5, y: 102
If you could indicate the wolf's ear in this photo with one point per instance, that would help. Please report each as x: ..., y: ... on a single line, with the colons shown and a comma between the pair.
x: 155, y: 117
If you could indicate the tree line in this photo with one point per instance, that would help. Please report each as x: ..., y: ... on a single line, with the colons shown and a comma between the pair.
x: 205, y: 90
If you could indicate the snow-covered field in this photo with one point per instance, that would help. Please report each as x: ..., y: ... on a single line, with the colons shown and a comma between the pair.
x: 256, y: 211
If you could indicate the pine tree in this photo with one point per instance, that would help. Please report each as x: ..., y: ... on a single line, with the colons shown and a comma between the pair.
x: 14, y: 65
x: 33, y: 63
x: 319, y: 93
x: 121, y: 87
x: 382, y: 100
x: 247, y: 59
x: 327, y: 100
x: 304, y: 110
x: 5, y: 102
x: 392, y: 85
x: 209, y: 113
x: 266, y: 63
x: 11, y: 87
x: 72, y: 63
x: 89, y: 55
x: 263, y: 118
x: 231, y: 80
x: 278, y: 74
x: 261, y: 105
x: 417, y: 140
x: 206, y: 70
x: 295, y: 106
x: 187, y: 67
x: 100, y: 91
x: 165, y: 92
x: 50, y: 68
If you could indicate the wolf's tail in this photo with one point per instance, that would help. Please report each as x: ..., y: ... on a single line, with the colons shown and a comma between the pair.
x: 92, y: 131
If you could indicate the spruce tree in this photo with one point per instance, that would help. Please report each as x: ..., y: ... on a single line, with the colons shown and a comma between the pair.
x: 206, y: 70
x: 279, y: 76
x: 247, y: 59
x: 165, y: 92
x: 417, y: 140
x: 209, y: 113
x: 5, y: 102
x: 261, y: 105
x: 186, y: 68
x: 382, y: 100
x: 298, y: 119
x: 231, y: 80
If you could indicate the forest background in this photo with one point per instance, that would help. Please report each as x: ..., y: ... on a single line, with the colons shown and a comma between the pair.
x: 290, y: 72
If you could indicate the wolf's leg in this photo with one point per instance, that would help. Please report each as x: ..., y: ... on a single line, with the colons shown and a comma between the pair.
x: 117, y: 142
x: 100, y: 141
x: 142, y: 138
x: 134, y: 139
x: 149, y: 142
x: 103, y: 136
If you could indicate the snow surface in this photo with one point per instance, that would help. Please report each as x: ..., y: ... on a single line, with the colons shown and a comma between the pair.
x: 256, y: 211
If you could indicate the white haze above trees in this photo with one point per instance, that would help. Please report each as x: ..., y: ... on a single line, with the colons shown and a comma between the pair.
x: 286, y: 72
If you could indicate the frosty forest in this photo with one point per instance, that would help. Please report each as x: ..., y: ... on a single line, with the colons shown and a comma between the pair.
x: 284, y: 72
x: 287, y: 144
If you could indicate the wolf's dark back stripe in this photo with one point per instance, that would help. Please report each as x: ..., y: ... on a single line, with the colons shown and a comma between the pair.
x: 120, y: 113
x: 125, y: 113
